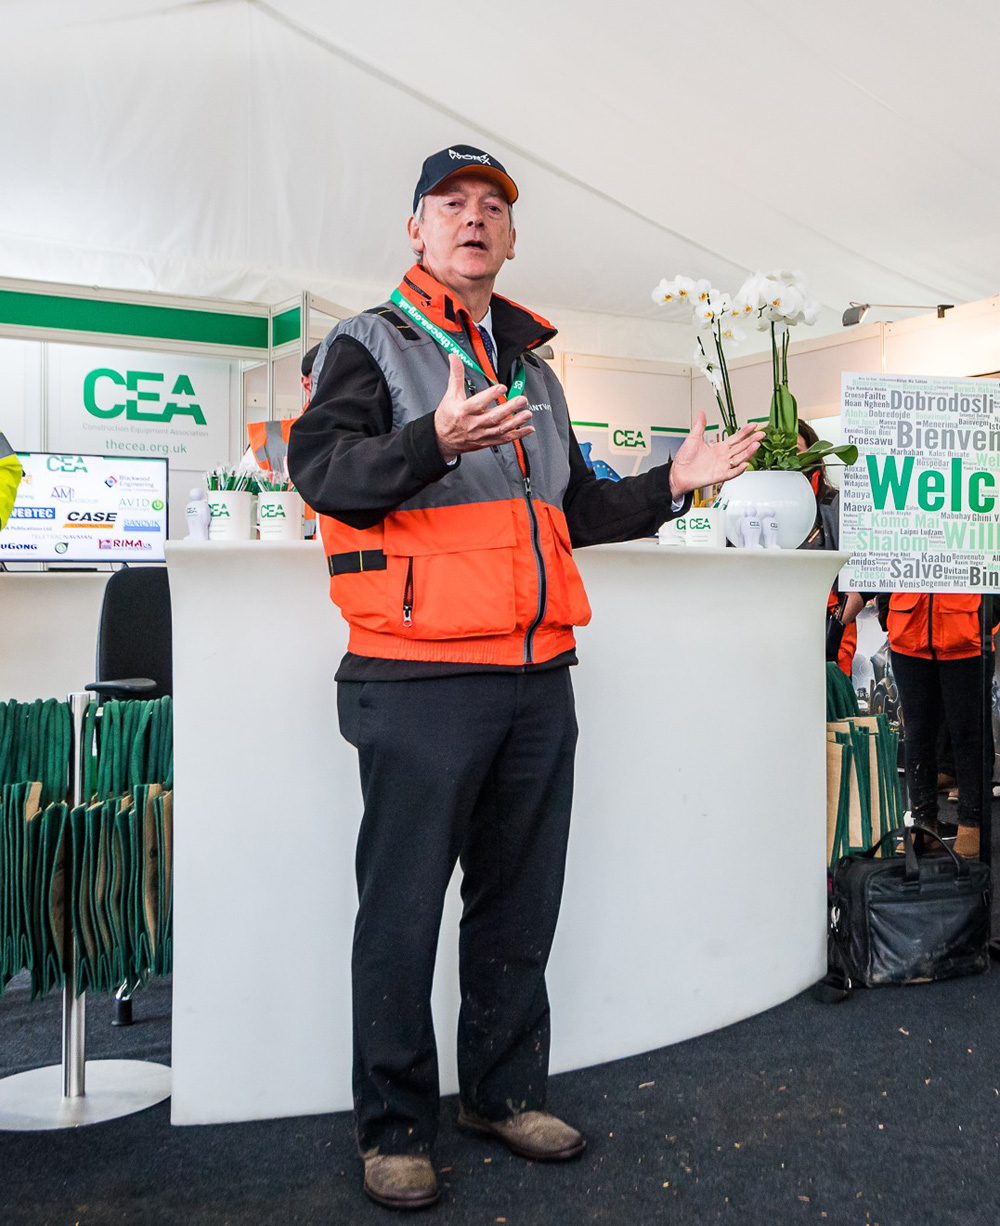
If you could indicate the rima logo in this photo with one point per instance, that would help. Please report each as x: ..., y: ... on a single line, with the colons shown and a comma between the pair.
x: 96, y: 383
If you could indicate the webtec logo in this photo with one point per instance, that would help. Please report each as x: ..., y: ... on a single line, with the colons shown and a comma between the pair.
x: 33, y: 513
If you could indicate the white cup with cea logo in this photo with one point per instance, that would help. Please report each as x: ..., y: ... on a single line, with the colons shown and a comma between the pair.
x: 706, y: 528
x: 232, y: 515
x: 279, y: 515
x: 672, y: 532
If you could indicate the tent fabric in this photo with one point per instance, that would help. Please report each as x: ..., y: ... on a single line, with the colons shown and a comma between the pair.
x: 248, y: 150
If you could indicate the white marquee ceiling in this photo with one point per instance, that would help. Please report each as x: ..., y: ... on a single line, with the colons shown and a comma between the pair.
x: 249, y: 150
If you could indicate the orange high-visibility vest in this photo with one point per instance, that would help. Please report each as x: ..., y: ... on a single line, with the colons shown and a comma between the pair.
x: 269, y: 443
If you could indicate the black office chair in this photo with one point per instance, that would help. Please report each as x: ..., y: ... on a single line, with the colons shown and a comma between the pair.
x: 134, y: 647
x: 134, y: 659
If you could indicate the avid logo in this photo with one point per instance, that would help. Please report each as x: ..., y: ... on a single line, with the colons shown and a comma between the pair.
x: 102, y: 384
x: 140, y: 504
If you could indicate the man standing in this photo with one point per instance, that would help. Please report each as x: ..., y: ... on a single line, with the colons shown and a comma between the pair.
x: 449, y: 505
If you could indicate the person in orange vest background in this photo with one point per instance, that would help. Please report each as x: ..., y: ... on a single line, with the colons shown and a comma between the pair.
x: 935, y: 643
x: 268, y: 440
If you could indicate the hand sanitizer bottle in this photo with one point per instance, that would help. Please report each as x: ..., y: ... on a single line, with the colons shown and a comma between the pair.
x: 198, y: 515
x: 750, y: 530
x: 769, y: 528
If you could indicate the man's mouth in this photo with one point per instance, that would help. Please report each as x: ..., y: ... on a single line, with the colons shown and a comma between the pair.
x: 476, y: 244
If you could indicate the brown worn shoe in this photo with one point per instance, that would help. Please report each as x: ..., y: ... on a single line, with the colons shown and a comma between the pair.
x: 967, y: 842
x: 532, y: 1134
x: 401, y: 1181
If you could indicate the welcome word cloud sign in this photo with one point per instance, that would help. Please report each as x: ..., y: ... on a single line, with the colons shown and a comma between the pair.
x: 920, y: 510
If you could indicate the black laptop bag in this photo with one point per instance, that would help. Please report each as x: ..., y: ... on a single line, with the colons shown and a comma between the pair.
x: 913, y: 918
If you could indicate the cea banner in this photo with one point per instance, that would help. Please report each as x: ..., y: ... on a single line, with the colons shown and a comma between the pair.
x: 920, y: 510
x: 126, y: 403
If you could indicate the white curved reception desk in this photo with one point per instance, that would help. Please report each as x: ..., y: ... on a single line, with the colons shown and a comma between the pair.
x: 695, y: 892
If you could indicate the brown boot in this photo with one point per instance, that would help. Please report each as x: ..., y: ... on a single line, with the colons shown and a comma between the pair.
x: 967, y: 842
x: 401, y: 1181
x: 531, y: 1134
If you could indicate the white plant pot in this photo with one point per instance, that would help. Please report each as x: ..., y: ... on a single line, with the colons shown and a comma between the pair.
x: 788, y: 494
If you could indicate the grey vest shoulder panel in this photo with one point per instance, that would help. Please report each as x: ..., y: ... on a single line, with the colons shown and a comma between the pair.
x: 415, y: 369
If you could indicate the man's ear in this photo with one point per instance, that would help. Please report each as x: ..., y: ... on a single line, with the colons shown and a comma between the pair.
x: 413, y: 233
x: 510, y: 246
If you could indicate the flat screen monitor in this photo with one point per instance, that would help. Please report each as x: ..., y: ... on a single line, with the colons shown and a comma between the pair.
x: 87, y: 508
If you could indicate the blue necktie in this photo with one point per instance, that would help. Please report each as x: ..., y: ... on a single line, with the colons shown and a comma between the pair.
x: 491, y: 352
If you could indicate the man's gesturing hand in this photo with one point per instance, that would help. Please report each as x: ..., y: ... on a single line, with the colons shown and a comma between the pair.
x: 699, y: 463
x: 470, y: 425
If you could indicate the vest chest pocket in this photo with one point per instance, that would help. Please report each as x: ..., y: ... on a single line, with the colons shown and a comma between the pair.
x: 450, y: 571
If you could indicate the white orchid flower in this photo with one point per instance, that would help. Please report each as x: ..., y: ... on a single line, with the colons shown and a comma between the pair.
x: 789, y: 304
x: 704, y: 315
x: 720, y: 302
x: 709, y: 368
x: 730, y: 332
x: 701, y: 291
x: 679, y: 290
x: 811, y: 313
x: 749, y: 296
x: 662, y: 293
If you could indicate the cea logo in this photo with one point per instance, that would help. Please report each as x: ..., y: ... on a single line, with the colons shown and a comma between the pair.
x: 104, y: 383
x: 66, y: 464
x: 272, y: 510
x: 628, y: 439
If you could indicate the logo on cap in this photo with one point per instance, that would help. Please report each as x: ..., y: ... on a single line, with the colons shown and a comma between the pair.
x: 470, y: 157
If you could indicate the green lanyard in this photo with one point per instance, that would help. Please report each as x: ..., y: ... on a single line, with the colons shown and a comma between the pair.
x: 449, y: 346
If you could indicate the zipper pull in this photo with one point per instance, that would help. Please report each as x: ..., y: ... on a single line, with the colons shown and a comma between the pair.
x: 408, y: 595
x: 527, y: 484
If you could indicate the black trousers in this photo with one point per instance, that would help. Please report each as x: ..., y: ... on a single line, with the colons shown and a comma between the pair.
x: 933, y: 693
x: 476, y: 768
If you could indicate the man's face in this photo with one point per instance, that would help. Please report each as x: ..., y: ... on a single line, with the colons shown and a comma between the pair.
x: 465, y: 234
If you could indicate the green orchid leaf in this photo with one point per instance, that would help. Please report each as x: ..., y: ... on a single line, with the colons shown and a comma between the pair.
x: 784, y: 410
x: 812, y: 457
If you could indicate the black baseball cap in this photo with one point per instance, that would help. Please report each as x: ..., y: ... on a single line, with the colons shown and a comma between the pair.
x: 307, y: 361
x: 458, y: 158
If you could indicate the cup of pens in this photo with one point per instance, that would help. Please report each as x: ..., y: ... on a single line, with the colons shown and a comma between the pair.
x: 279, y: 514
x: 230, y: 499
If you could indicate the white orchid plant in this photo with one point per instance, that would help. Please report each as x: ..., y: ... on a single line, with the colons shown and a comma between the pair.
x: 774, y: 301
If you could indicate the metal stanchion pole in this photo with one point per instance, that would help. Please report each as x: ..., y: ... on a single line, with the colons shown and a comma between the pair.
x: 74, y: 1010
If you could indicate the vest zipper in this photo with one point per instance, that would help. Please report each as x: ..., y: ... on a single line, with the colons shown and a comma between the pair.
x: 408, y: 594
x: 536, y: 548
x: 930, y: 626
